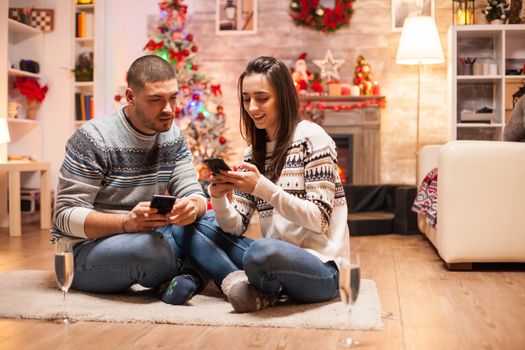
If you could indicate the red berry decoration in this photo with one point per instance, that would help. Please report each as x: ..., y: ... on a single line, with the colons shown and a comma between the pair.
x: 118, y: 98
x: 222, y: 140
x: 194, y: 48
x: 196, y: 97
x: 189, y: 37
x: 195, y: 67
x: 200, y: 116
x: 185, y: 53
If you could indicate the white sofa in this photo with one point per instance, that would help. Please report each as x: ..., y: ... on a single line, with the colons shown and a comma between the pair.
x: 481, y: 201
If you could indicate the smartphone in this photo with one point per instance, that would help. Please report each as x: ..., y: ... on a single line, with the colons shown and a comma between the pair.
x: 216, y: 164
x: 163, y: 204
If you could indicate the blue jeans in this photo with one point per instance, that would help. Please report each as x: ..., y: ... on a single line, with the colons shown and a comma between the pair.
x: 115, y: 263
x: 270, y: 264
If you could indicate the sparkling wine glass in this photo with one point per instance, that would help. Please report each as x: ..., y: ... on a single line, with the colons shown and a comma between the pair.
x: 349, y: 280
x: 64, y: 271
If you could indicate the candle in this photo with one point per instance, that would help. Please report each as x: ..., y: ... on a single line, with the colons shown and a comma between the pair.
x: 354, y: 90
x: 464, y: 17
x: 375, y: 89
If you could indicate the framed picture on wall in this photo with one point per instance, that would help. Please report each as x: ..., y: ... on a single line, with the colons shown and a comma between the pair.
x: 402, y: 9
x: 236, y: 17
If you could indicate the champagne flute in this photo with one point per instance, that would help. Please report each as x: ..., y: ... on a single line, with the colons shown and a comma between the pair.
x: 64, y: 270
x: 349, y: 280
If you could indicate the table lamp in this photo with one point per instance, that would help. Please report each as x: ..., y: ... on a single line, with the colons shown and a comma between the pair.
x: 4, y: 139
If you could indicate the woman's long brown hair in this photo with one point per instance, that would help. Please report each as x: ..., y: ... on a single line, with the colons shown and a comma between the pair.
x: 288, y: 112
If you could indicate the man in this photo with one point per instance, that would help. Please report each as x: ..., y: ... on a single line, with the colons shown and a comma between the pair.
x: 113, y: 166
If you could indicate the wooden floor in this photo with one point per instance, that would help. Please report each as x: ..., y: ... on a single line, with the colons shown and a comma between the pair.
x: 433, y: 308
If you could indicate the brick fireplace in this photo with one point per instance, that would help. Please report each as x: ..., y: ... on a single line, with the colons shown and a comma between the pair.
x: 356, y: 132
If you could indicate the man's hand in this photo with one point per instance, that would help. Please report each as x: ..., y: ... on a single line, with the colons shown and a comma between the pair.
x: 185, y: 211
x: 143, y: 218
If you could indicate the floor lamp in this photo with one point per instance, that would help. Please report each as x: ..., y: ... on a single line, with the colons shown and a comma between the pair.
x: 419, y: 44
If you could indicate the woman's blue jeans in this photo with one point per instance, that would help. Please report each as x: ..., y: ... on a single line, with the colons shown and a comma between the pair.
x: 115, y: 263
x: 270, y: 264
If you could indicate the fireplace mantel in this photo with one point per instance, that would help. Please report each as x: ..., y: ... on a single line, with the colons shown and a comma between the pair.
x: 362, y: 123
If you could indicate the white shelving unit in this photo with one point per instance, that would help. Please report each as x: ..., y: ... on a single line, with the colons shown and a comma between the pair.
x: 82, y: 45
x: 20, y: 41
x: 487, y: 84
x: 24, y: 42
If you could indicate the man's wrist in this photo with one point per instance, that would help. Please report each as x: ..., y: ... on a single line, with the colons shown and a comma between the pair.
x: 123, y: 222
x: 199, y: 204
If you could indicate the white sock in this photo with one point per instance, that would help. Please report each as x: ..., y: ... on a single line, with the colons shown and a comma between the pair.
x: 233, y: 278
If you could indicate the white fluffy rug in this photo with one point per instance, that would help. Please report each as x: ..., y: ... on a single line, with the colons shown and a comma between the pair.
x: 34, y: 294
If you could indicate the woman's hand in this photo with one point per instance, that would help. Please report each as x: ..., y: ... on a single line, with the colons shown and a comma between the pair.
x: 219, y: 186
x: 244, y: 181
x: 226, y: 181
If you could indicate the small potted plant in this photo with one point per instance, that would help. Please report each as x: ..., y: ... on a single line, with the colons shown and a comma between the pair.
x: 33, y: 92
x: 497, y: 11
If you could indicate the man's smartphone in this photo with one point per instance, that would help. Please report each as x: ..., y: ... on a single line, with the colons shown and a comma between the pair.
x: 163, y: 204
x: 216, y: 164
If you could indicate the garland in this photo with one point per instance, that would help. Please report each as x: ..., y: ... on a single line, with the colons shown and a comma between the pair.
x: 310, y: 13
x: 346, y: 107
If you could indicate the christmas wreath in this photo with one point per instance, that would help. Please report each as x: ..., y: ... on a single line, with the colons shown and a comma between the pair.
x: 310, y: 13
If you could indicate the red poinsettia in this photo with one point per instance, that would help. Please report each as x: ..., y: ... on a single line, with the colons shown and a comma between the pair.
x: 30, y: 88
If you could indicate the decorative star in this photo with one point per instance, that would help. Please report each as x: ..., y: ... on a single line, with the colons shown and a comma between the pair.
x: 329, y: 66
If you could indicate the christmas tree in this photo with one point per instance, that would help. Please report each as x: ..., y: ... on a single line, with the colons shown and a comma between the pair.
x: 200, y: 114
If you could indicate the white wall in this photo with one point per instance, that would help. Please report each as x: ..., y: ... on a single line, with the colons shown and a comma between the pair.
x: 125, y: 36
x: 58, y: 107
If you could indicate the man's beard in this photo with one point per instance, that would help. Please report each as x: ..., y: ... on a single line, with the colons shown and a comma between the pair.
x: 151, y: 124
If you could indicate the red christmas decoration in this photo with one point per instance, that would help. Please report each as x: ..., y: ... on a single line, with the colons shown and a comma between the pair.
x: 310, y: 13
x: 30, y: 88
x: 316, y: 86
x: 216, y: 90
x: 222, y: 140
x: 196, y: 97
x: 194, y: 48
x: 152, y: 45
x: 176, y: 54
x: 200, y: 116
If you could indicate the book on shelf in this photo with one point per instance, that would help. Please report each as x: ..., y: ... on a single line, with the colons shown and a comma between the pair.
x: 85, y: 27
x: 83, y: 106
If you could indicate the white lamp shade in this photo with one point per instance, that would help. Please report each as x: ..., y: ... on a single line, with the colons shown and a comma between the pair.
x: 419, y: 43
x: 4, y: 131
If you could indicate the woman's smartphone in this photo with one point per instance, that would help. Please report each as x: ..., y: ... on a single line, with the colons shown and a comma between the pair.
x: 163, y: 204
x: 216, y: 164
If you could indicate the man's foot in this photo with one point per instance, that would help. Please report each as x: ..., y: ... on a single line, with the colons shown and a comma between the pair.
x: 244, y: 297
x: 180, y: 289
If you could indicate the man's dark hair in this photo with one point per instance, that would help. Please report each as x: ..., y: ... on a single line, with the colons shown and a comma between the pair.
x: 149, y: 68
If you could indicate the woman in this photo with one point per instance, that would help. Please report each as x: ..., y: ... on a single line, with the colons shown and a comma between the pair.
x: 289, y: 175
